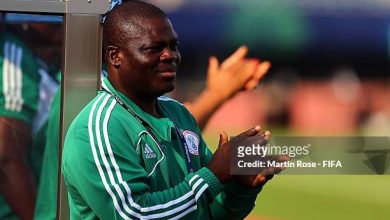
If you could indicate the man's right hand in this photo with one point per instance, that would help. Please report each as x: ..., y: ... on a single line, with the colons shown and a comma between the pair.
x: 220, y: 163
x: 258, y: 180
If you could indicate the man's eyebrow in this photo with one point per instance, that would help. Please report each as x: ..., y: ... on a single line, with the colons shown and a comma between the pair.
x: 175, y: 40
x: 133, y: 37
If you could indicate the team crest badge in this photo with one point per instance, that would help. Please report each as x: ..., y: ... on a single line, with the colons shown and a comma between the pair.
x: 192, y: 141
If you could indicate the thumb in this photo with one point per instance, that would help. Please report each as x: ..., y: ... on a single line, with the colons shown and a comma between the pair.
x: 223, y: 138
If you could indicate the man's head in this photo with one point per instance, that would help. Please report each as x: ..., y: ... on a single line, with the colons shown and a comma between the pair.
x: 140, y: 48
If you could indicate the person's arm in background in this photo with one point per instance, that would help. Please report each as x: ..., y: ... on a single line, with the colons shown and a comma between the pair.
x: 18, y: 104
x: 17, y: 183
x: 235, y: 74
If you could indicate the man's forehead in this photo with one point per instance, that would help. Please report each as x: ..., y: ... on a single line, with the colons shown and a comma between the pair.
x: 149, y: 27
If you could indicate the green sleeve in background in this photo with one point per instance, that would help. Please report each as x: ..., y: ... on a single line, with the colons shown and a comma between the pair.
x: 19, y: 80
x: 46, y: 204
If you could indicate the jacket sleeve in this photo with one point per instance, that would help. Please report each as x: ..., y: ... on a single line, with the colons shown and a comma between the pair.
x: 103, y: 175
x: 233, y: 202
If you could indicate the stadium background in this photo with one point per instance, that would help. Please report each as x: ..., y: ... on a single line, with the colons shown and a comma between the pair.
x: 329, y: 76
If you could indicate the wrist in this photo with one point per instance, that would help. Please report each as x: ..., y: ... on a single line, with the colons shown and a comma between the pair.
x: 215, y: 95
x: 243, y: 190
x: 219, y: 172
x: 204, y: 176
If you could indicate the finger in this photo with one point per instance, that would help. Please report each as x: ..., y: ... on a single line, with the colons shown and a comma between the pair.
x: 251, y: 85
x: 239, y: 54
x: 259, y: 180
x: 223, y: 138
x: 213, y: 66
x: 283, y: 158
x: 241, y: 72
x: 262, y: 69
x: 267, y: 135
x: 251, y: 132
x: 250, y: 67
x: 273, y: 170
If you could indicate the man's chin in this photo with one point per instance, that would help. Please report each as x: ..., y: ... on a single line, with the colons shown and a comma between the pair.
x: 166, y: 89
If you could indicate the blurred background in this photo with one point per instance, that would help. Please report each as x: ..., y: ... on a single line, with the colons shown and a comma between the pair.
x: 330, y: 75
x: 330, y: 61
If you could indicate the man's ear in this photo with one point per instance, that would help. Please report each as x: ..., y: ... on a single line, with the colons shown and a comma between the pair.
x: 113, y: 56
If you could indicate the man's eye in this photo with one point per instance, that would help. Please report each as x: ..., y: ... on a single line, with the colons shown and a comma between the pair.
x: 174, y: 47
x: 154, y: 48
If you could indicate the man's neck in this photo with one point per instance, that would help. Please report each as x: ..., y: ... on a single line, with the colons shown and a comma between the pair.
x: 147, y: 105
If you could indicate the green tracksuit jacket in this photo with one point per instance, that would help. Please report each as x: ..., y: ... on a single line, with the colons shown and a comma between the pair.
x: 114, y: 169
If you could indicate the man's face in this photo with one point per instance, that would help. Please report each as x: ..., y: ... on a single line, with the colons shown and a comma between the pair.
x: 150, y: 59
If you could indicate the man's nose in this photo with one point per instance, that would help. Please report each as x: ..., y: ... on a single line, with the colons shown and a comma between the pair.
x: 168, y: 55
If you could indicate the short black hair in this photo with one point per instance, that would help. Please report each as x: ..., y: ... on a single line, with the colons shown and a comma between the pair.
x: 124, y: 18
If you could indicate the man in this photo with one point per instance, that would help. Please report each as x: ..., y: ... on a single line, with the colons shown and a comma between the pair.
x: 202, y: 108
x: 223, y: 82
x: 131, y: 154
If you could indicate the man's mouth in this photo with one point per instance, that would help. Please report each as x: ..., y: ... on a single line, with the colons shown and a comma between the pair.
x: 168, y: 73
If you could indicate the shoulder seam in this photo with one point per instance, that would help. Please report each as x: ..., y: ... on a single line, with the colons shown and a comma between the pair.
x: 164, y: 98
